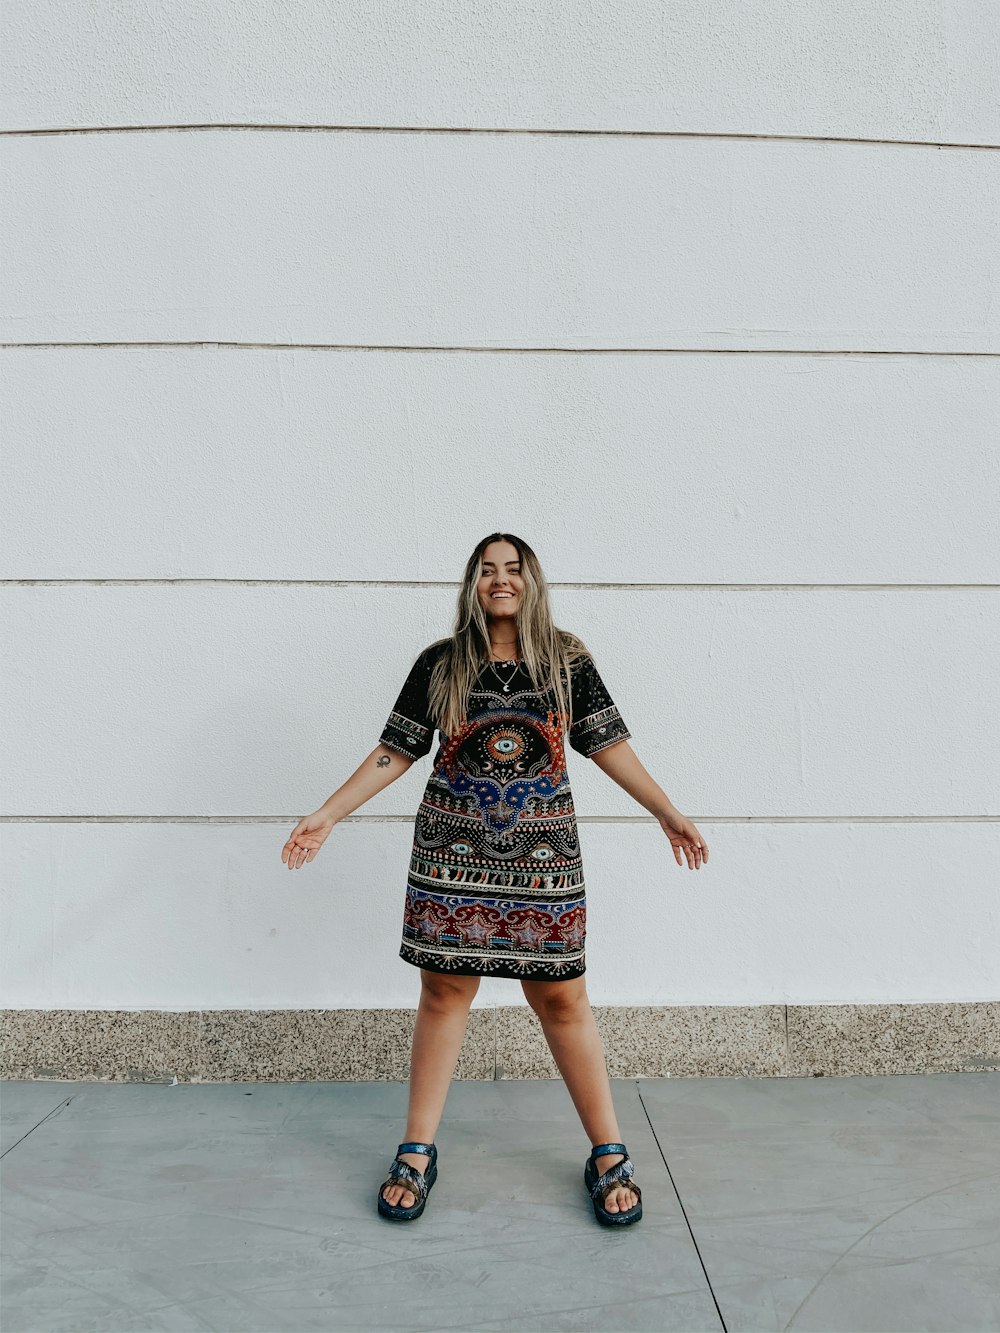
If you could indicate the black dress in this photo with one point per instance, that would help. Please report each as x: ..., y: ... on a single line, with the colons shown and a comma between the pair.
x: 495, y: 885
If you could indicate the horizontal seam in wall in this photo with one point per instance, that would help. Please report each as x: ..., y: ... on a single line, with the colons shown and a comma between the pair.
x: 451, y: 583
x: 502, y: 351
x: 581, y: 819
x: 465, y: 131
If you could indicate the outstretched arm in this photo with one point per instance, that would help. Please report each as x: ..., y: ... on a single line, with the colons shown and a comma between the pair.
x: 373, y: 774
x: 623, y: 765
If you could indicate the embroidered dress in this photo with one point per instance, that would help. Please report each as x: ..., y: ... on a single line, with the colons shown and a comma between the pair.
x: 495, y: 885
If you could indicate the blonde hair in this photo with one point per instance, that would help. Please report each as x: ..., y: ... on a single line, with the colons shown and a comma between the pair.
x: 547, y: 652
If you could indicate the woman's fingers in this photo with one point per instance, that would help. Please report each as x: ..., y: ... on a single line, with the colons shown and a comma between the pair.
x: 698, y: 848
x: 300, y: 849
x: 294, y: 853
x: 688, y: 840
x: 307, y: 837
x: 302, y: 855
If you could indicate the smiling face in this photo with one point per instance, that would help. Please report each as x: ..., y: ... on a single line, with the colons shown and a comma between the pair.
x: 501, y: 573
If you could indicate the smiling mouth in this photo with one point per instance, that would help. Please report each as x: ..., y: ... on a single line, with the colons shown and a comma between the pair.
x: 499, y: 596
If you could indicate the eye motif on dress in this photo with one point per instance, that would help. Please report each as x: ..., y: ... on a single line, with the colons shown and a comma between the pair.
x: 507, y: 746
x: 543, y: 852
x: 504, y: 751
x: 505, y: 760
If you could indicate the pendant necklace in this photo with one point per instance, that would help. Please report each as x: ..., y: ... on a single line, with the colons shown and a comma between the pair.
x: 509, y: 678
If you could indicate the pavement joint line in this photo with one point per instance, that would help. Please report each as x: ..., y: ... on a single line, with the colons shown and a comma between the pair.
x: 680, y: 1201
x: 48, y: 1116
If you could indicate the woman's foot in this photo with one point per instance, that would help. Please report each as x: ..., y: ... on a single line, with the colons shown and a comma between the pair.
x: 399, y: 1194
x: 621, y: 1198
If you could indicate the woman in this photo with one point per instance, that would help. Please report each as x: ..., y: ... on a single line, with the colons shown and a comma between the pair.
x: 495, y: 885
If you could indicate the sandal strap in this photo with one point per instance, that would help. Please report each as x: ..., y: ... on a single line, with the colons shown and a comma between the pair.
x: 402, y: 1173
x: 605, y: 1149
x: 427, y: 1149
x: 621, y: 1172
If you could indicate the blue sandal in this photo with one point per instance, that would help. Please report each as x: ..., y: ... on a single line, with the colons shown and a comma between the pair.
x: 417, y: 1182
x: 600, y: 1186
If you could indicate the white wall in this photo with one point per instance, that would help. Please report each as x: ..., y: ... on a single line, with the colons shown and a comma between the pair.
x: 264, y: 389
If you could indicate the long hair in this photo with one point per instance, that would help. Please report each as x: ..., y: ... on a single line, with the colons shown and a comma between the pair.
x: 547, y: 652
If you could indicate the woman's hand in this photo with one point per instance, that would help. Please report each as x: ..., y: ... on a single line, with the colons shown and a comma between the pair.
x: 684, y: 837
x: 307, y: 837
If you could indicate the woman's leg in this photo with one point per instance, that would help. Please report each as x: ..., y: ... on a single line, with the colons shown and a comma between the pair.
x: 442, y: 1017
x: 563, y: 1009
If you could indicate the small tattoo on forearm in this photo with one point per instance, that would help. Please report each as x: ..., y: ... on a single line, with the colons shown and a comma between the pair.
x: 382, y: 760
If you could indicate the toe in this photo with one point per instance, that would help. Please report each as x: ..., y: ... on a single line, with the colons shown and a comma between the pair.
x: 399, y: 1197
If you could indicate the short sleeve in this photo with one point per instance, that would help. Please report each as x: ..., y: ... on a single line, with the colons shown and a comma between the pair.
x: 408, y: 727
x: 597, y: 722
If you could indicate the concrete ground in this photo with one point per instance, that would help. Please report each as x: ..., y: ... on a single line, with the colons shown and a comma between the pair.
x: 796, y: 1203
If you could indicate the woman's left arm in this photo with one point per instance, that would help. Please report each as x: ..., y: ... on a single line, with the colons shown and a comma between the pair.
x: 623, y: 765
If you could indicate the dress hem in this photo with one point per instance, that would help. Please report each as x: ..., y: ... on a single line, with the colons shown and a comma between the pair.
x: 494, y: 968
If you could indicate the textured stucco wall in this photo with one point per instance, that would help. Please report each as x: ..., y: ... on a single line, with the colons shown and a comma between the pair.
x: 731, y: 366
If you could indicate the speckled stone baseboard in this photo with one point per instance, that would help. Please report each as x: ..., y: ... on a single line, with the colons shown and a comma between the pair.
x: 651, y: 1041
x: 505, y: 1042
x: 893, y: 1038
x: 226, y: 1046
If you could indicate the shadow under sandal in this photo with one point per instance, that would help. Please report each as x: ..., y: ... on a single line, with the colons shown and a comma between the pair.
x: 600, y: 1186
x: 419, y: 1184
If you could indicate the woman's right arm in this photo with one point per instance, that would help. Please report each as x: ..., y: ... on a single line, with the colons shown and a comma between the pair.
x: 382, y: 766
x: 373, y: 775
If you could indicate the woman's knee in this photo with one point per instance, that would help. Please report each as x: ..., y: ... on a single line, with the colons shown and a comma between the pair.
x: 446, y: 991
x: 561, y: 1001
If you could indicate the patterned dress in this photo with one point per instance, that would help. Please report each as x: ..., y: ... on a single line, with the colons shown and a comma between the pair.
x: 495, y: 885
